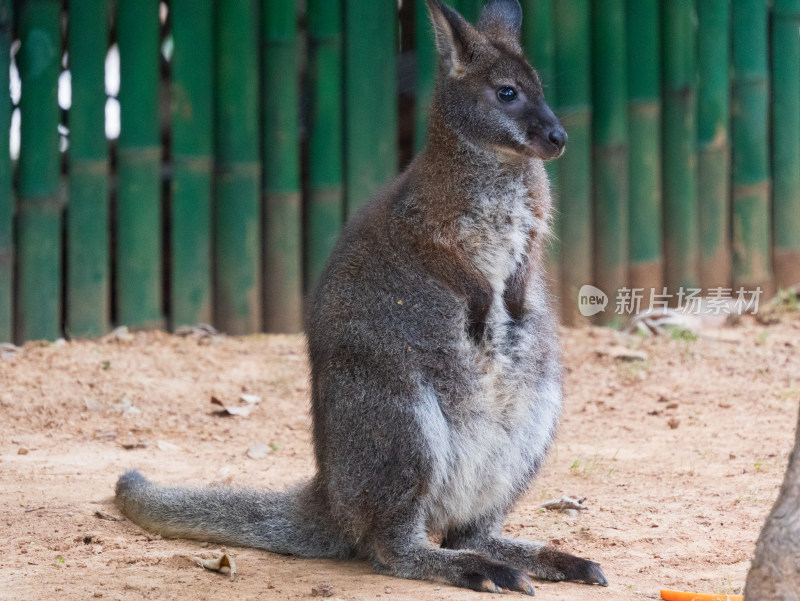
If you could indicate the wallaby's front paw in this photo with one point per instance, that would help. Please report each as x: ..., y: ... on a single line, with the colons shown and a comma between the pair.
x: 496, y: 578
x: 476, y: 329
x: 478, y: 311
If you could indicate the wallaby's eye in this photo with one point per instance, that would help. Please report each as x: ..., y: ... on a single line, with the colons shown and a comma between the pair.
x: 507, y: 94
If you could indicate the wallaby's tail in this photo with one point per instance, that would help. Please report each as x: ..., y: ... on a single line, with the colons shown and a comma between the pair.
x: 292, y: 522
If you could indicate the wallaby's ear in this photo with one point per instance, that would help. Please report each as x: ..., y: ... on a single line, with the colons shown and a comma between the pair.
x: 502, y: 19
x: 453, y: 36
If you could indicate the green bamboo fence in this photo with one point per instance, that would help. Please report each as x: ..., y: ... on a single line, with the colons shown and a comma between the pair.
x: 642, y: 34
x: 6, y: 189
x: 539, y: 43
x: 139, y: 237
x: 665, y: 179
x: 88, y: 251
x: 573, y: 82
x: 283, y: 230
x: 426, y: 71
x: 679, y: 145
x: 325, y: 171
x: 713, y: 137
x: 237, y: 183
x: 786, y: 141
x: 38, y: 227
x: 470, y: 9
x: 370, y: 103
x: 751, y: 178
x: 192, y: 161
x: 610, y: 147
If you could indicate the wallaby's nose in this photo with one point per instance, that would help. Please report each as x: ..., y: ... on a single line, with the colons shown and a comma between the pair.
x: 558, y: 137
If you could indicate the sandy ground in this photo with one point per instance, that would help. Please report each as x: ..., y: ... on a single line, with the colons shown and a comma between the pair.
x: 679, y: 456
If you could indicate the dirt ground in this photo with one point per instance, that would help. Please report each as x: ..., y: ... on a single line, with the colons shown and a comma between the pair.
x: 679, y: 456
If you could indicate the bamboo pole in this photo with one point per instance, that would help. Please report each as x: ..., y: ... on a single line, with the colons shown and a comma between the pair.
x: 283, y: 229
x: 6, y: 191
x: 751, y: 223
x: 39, y: 212
x: 539, y: 43
x: 786, y: 140
x: 370, y: 84
x: 573, y: 82
x: 469, y: 9
x: 426, y: 72
x: 679, y: 145
x: 192, y: 142
x: 610, y: 148
x: 326, y: 194
x: 88, y: 250
x: 713, y: 136
x: 236, y: 212
x: 644, y: 144
x: 138, y: 261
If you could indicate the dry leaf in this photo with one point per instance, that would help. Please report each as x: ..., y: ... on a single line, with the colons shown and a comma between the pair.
x: 163, y: 445
x: 565, y: 504
x: 199, y: 331
x: 223, y: 563
x: 622, y: 353
x: 232, y: 410
x: 121, y: 333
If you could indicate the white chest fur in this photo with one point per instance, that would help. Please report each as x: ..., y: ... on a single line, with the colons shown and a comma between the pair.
x: 479, y: 465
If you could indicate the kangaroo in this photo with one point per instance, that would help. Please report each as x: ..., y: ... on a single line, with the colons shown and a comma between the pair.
x: 435, y: 369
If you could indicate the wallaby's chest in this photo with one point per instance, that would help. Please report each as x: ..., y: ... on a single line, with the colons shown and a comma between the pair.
x: 495, y: 231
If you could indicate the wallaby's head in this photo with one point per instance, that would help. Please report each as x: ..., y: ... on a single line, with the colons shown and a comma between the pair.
x: 486, y: 91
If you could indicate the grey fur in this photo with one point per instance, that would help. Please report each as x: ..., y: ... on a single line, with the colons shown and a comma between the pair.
x: 775, y: 571
x: 436, y: 382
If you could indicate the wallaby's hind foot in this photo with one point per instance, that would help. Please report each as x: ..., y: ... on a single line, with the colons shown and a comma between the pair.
x: 538, y: 560
x: 497, y: 578
x: 566, y: 567
x: 465, y: 569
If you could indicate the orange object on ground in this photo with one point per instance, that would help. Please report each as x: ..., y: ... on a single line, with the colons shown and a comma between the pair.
x: 679, y: 596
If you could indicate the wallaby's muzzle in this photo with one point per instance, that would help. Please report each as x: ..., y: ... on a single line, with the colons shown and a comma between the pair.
x: 547, y: 137
x: 558, y: 138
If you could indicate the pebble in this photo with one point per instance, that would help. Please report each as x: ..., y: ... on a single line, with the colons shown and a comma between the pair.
x: 259, y: 451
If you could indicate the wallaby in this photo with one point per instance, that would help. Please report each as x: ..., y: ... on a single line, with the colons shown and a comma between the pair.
x: 435, y: 369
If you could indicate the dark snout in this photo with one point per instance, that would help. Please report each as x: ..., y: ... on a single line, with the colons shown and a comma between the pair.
x: 558, y: 137
x: 547, y: 135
